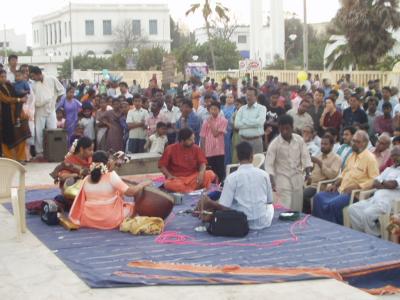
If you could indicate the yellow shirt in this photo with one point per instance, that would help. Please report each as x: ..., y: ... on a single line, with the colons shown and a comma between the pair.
x: 361, y: 170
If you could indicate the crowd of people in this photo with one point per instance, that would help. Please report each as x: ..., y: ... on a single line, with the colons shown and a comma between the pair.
x: 310, y: 132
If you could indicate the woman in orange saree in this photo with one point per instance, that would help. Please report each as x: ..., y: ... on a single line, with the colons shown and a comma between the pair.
x: 100, y: 202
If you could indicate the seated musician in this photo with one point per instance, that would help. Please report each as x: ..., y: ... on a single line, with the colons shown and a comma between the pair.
x: 184, y: 165
x: 247, y: 190
x: 100, y: 203
x: 360, y: 171
x: 74, y: 167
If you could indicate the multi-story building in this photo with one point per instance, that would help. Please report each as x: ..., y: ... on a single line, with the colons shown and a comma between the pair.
x: 93, y: 28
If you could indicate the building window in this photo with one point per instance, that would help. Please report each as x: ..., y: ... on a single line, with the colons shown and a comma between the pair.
x: 65, y: 29
x: 69, y: 28
x: 107, y: 27
x: 242, y: 39
x: 89, y: 27
x: 153, y: 27
x: 47, y: 35
x: 136, y: 28
x: 2, y: 44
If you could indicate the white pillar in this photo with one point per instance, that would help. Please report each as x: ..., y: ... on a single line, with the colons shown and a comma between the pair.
x: 277, y: 29
x: 256, y: 39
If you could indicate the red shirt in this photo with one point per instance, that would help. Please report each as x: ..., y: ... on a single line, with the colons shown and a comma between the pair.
x: 333, y: 121
x: 182, y: 161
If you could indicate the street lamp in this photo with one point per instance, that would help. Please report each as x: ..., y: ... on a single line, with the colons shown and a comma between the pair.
x: 195, y: 57
x: 292, y: 38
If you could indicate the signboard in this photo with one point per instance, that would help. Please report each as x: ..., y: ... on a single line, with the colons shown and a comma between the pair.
x: 249, y: 65
x: 198, y: 70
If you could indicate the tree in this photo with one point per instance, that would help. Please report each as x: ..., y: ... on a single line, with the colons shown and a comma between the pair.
x: 223, y: 28
x: 207, y: 13
x: 367, y: 26
x: 125, y: 37
x: 150, y: 58
x: 316, y: 46
x: 85, y: 62
x: 178, y: 38
x: 226, y: 54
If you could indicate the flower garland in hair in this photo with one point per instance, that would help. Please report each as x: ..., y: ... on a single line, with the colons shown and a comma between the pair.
x: 72, y: 149
x: 99, y: 165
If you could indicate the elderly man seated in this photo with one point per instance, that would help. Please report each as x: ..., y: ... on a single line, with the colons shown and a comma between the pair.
x: 326, y: 166
x: 247, y: 190
x: 364, y: 214
x: 184, y: 165
x: 382, y: 151
x: 360, y: 171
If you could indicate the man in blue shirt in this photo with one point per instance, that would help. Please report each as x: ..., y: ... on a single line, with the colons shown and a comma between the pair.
x: 189, y: 119
x: 247, y: 190
x: 354, y: 114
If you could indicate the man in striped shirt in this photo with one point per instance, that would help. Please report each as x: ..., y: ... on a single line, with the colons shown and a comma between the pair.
x: 212, y: 140
x: 345, y: 150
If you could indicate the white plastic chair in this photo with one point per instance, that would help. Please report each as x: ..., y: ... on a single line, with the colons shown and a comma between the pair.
x: 258, y: 162
x: 9, y: 169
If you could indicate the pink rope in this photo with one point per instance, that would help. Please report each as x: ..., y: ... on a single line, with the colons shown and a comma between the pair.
x: 175, y: 238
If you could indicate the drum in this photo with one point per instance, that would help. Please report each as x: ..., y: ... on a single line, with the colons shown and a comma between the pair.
x: 153, y: 202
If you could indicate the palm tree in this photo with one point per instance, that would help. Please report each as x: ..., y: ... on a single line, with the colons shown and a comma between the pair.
x: 208, y: 12
x: 367, y: 26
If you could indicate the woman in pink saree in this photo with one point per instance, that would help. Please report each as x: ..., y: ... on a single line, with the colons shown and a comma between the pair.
x: 100, y: 202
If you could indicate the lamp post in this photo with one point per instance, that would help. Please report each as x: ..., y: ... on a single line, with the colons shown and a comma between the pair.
x: 305, y: 38
x: 70, y: 43
x: 195, y: 57
x: 292, y: 38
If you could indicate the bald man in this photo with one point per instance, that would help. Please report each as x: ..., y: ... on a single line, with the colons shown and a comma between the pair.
x: 360, y: 171
x: 364, y: 215
x: 382, y: 151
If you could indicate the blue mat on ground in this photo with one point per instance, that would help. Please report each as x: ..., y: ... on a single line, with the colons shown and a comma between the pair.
x: 323, y: 250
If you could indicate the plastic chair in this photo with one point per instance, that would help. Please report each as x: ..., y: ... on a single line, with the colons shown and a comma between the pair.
x: 384, y: 219
x: 258, y: 162
x: 16, y: 195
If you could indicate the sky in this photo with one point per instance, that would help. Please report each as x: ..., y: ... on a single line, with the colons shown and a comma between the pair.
x: 19, y: 13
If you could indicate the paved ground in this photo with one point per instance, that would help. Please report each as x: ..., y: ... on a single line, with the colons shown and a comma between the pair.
x: 28, y: 270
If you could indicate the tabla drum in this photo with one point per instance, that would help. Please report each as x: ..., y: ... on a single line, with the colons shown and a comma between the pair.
x: 153, y: 202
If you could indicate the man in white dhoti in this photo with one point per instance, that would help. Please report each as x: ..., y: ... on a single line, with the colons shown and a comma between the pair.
x: 287, y: 161
x: 47, y: 90
x: 364, y: 214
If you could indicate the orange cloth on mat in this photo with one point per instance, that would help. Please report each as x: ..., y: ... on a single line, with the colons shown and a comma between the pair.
x: 188, y: 184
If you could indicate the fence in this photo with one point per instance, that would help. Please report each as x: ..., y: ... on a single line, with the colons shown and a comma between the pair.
x: 359, y: 77
x: 290, y: 76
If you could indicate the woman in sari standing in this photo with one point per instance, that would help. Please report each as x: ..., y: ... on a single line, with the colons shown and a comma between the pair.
x: 13, y: 137
x: 111, y: 119
x: 29, y: 109
x: 71, y: 107
x: 100, y: 202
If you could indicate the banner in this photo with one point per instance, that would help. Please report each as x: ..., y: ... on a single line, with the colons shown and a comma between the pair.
x: 249, y: 65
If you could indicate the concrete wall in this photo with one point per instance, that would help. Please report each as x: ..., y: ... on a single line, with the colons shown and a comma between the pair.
x: 15, y: 42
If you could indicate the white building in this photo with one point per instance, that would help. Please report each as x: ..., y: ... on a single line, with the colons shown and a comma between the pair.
x: 12, y: 41
x: 263, y: 39
x: 93, y: 26
x: 241, y: 37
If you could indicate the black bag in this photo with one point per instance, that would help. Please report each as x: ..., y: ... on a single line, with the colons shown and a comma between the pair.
x: 228, y: 223
x: 49, y: 212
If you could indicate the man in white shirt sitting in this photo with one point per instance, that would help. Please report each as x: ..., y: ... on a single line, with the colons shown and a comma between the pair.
x: 247, y: 190
x: 364, y: 214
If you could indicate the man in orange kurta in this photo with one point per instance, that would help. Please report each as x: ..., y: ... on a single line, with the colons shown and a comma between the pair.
x: 184, y: 165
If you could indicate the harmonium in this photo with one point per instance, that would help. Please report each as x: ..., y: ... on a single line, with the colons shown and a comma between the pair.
x: 140, y: 163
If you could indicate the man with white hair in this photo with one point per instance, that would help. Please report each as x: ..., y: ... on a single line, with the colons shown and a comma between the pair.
x: 360, y: 171
x: 364, y: 214
x: 382, y: 151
